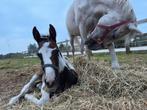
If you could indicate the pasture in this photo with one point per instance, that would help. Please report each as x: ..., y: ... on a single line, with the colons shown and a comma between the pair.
x: 99, y: 88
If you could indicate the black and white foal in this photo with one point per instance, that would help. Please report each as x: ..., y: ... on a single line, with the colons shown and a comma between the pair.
x: 57, y: 73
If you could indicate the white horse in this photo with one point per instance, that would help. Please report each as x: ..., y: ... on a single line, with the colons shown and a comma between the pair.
x: 57, y: 73
x: 100, y: 23
x: 74, y: 32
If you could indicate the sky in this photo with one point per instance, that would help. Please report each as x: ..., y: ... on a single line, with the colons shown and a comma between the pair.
x: 18, y: 17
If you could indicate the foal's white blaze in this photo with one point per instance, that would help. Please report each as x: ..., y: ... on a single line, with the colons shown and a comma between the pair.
x: 46, y: 54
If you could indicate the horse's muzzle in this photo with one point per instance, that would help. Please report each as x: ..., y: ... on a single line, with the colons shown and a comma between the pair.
x: 92, y: 44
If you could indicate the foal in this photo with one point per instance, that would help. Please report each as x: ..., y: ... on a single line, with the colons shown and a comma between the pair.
x: 57, y: 73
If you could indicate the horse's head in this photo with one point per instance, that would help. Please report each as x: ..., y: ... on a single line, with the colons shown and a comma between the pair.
x: 47, y: 51
x: 103, y: 34
x: 111, y: 27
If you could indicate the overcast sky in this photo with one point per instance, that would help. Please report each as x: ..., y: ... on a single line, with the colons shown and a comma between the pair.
x: 17, y: 18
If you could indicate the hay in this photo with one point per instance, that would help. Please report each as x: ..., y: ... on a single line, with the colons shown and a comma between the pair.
x: 100, y: 88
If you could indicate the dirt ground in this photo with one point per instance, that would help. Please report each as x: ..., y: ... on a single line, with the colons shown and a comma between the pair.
x: 11, y: 82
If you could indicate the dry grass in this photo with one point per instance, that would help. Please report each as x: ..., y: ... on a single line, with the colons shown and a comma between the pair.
x: 100, y: 88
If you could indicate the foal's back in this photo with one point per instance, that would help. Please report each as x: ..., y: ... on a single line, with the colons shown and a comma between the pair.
x: 68, y: 75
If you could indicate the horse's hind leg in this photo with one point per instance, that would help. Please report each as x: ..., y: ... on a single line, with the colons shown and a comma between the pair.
x: 82, y: 46
x: 24, y: 90
x: 72, y: 44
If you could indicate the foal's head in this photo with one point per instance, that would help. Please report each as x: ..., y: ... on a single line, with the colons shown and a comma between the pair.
x: 47, y: 51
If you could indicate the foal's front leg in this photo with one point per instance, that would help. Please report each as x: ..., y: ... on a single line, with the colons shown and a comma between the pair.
x: 44, y: 98
x: 114, y: 60
x: 24, y: 90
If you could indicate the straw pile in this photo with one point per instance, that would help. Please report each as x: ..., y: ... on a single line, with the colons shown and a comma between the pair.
x: 100, y: 88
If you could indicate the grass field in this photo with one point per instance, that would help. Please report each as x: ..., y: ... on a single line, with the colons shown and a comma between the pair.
x: 99, y: 87
x: 27, y: 62
x: 18, y: 63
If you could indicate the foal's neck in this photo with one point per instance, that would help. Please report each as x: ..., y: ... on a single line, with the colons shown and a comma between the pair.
x: 55, y: 57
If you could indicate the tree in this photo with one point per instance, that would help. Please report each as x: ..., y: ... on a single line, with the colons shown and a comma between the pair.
x: 32, y: 49
x: 64, y: 48
x: 1, y: 56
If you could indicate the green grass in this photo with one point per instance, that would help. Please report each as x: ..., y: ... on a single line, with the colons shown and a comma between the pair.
x: 122, y: 57
x: 18, y: 63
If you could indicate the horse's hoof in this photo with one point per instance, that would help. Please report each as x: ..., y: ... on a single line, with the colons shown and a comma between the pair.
x: 115, y: 67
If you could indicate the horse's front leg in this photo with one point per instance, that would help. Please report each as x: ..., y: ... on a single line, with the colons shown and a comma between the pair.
x: 72, y: 44
x: 84, y: 34
x: 82, y: 46
x: 114, y: 60
x: 44, y: 98
x: 24, y: 90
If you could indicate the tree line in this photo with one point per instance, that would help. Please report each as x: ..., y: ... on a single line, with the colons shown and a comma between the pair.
x: 31, y: 51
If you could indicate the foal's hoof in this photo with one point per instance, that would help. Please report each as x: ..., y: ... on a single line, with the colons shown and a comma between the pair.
x: 116, y: 68
x: 13, y: 100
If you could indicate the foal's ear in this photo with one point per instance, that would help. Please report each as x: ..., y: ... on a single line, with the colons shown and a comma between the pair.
x: 52, y: 32
x: 36, y: 34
